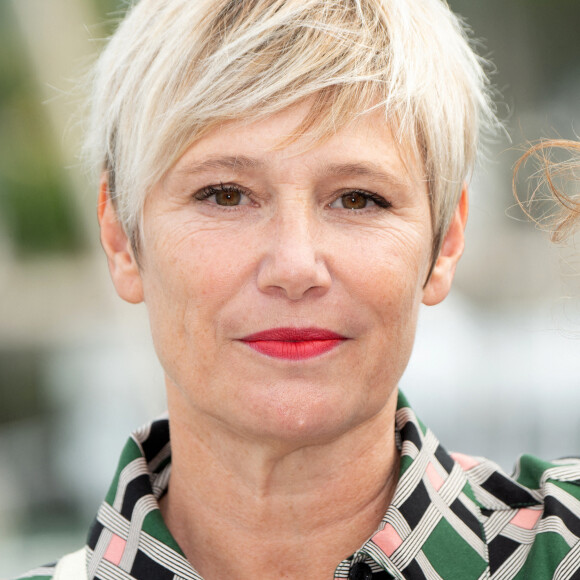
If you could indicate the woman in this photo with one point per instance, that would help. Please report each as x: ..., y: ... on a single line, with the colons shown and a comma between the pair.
x: 283, y: 185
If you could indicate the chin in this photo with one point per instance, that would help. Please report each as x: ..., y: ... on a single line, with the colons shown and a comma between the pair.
x: 303, y: 417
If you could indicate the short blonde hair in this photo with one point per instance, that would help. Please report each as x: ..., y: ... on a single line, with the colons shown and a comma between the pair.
x: 175, y: 69
x: 551, y: 178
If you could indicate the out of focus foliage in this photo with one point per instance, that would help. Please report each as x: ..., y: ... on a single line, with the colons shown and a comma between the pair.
x: 35, y: 208
x: 21, y: 385
x: 534, y: 44
x: 111, y: 12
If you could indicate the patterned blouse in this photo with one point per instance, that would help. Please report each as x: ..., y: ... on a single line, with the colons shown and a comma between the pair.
x: 452, y: 517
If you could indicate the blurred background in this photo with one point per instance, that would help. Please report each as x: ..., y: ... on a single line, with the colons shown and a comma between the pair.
x: 496, y: 368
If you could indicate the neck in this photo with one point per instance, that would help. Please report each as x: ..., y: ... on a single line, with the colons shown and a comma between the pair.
x: 283, y: 511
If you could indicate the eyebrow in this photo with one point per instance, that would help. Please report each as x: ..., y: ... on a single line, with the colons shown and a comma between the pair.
x: 232, y: 162
x: 356, y: 169
x: 367, y: 169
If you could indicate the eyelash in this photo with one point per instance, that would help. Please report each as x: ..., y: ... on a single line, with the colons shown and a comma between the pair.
x: 212, y: 190
x: 374, y: 197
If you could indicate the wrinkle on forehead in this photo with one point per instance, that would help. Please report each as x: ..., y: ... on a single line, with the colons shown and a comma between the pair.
x: 242, y: 163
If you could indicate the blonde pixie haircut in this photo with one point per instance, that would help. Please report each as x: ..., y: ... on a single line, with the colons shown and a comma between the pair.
x: 176, y: 69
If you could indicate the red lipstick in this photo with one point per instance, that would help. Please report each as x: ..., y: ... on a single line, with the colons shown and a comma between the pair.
x: 293, y: 343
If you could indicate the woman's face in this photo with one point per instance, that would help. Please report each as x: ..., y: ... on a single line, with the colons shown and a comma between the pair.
x: 245, y: 246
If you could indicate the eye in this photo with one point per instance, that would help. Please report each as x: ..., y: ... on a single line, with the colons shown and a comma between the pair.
x: 357, y: 200
x: 354, y: 200
x: 224, y: 195
x: 228, y: 197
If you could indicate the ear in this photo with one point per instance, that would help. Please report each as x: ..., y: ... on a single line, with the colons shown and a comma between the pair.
x: 122, y: 263
x: 439, y: 283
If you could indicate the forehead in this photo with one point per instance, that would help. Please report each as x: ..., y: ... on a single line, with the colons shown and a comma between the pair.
x: 363, y: 147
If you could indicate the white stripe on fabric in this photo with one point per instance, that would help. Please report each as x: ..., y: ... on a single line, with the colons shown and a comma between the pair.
x: 144, y: 506
x: 411, y: 545
x: 462, y: 529
x: 161, y: 481
x: 518, y: 534
x: 488, y: 500
x: 569, y: 565
x: 427, y: 567
x: 342, y: 570
x: 156, y: 461
x: 471, y: 506
x: 113, y: 521
x: 131, y: 471
x: 97, y: 555
x: 142, y: 434
x: 167, y: 557
x: 564, y: 498
x: 570, y: 473
x: 555, y: 525
x: 397, y: 520
x: 108, y: 571
x: 494, y: 525
x: 513, y: 564
x: 380, y: 557
x: 416, y: 471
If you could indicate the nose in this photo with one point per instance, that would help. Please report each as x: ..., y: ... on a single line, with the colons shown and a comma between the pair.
x: 294, y: 264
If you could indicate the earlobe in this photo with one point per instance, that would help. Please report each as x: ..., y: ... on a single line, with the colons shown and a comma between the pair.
x: 439, y: 283
x: 122, y: 263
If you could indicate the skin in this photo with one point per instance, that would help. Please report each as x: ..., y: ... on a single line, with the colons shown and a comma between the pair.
x: 276, y: 458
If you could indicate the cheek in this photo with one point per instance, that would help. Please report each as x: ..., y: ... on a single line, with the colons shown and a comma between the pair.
x: 189, y: 274
x: 387, y: 270
x: 195, y: 263
x: 387, y: 278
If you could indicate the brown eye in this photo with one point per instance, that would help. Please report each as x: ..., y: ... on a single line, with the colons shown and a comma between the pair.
x: 228, y: 197
x: 354, y: 200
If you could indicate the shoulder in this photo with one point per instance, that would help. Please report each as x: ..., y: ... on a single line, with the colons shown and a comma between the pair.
x: 540, y: 475
x: 42, y: 573
x: 531, y: 520
x: 533, y: 481
x: 554, y: 546
x: 70, y: 567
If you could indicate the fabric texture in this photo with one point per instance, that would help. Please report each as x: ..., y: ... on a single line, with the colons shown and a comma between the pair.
x: 452, y: 517
x: 72, y: 567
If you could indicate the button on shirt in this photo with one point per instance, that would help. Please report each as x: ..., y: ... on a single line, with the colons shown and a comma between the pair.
x: 452, y: 517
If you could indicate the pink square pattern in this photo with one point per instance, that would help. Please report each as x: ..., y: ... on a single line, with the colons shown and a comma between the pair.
x: 465, y: 461
x: 115, y: 550
x: 526, y: 518
x: 388, y: 540
x: 436, y: 480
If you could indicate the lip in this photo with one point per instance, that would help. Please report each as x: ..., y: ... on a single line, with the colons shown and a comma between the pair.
x: 294, y: 343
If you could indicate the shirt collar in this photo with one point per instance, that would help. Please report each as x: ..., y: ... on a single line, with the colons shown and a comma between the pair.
x: 434, y: 521
x: 433, y: 526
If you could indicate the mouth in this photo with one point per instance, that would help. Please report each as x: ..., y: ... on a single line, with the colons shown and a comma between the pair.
x: 294, y: 343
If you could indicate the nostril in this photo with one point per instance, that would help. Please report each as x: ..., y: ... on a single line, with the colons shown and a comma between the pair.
x: 294, y: 282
